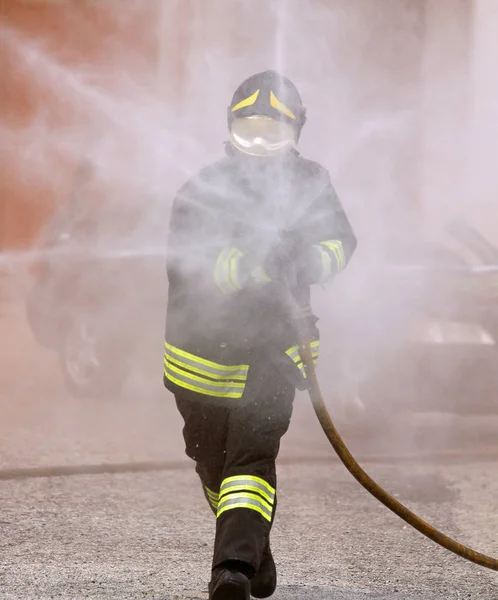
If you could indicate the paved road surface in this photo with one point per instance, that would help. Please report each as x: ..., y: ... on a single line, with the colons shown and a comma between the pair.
x: 150, y: 536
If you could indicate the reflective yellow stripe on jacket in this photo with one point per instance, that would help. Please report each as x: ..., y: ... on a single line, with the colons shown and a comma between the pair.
x: 226, y: 270
x: 333, y: 259
x: 293, y: 354
x: 203, y: 376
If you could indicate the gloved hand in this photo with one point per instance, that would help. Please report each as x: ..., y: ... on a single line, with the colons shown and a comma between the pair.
x: 293, y: 257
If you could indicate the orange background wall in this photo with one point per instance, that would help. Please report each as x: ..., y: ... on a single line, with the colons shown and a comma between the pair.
x: 81, y: 33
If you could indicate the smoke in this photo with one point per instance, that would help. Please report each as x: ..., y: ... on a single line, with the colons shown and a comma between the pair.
x: 112, y: 138
x: 125, y: 112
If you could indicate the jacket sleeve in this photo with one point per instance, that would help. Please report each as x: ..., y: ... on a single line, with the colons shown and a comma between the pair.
x: 327, y: 229
x: 189, y: 237
x: 200, y: 245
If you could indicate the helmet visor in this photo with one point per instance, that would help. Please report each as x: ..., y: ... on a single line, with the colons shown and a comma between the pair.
x: 260, y: 135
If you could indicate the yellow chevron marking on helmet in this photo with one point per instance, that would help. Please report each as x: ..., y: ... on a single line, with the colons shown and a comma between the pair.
x: 247, y: 102
x: 275, y: 102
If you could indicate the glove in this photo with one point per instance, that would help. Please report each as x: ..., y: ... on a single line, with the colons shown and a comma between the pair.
x: 293, y: 257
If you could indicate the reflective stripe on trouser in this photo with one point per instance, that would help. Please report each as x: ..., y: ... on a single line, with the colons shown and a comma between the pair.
x: 293, y: 354
x: 212, y: 498
x: 199, y: 375
x: 332, y: 257
x: 226, y: 270
x: 247, y: 491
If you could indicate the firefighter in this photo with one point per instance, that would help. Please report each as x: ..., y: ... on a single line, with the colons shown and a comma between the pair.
x: 248, y: 237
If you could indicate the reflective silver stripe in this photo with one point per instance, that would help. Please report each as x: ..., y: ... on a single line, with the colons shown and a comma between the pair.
x: 250, y: 501
x: 209, y: 378
x: 214, y: 370
x: 300, y: 366
x: 326, y: 260
x: 213, y: 503
x: 226, y: 270
x: 336, y: 247
x: 234, y: 269
x: 211, y: 494
x: 294, y: 355
x: 204, y: 361
x: 201, y: 385
x: 221, y: 271
x: 251, y: 484
x: 213, y: 498
x: 293, y: 352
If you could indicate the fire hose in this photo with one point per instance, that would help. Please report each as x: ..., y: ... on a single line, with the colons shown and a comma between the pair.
x: 368, y: 483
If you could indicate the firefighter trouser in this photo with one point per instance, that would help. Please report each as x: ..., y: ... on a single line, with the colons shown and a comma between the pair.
x: 235, y: 447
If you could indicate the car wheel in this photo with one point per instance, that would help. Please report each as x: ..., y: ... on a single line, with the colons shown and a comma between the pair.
x: 89, y: 363
x: 356, y: 407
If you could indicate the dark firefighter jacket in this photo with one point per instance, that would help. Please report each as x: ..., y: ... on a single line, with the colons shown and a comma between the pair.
x: 224, y: 312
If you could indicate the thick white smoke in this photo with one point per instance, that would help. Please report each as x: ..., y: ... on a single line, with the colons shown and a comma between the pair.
x: 383, y: 114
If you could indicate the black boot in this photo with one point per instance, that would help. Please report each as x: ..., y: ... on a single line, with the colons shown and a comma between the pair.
x: 227, y: 584
x: 264, y: 583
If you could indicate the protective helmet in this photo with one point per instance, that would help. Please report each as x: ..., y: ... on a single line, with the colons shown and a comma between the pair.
x: 266, y: 115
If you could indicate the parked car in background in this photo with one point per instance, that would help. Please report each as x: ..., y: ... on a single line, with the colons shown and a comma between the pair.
x: 421, y: 334
x: 99, y: 290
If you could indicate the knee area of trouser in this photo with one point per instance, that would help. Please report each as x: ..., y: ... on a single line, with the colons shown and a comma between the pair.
x: 207, y: 455
x: 263, y: 414
x: 210, y: 474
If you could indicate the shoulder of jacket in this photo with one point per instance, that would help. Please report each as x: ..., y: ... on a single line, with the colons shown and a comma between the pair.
x: 313, y: 176
x: 312, y: 169
x: 209, y: 174
x: 212, y: 172
x: 216, y: 168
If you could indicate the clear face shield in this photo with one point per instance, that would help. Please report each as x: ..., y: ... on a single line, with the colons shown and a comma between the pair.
x: 260, y: 135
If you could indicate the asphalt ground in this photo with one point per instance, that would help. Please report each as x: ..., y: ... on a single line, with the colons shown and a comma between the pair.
x: 149, y: 535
